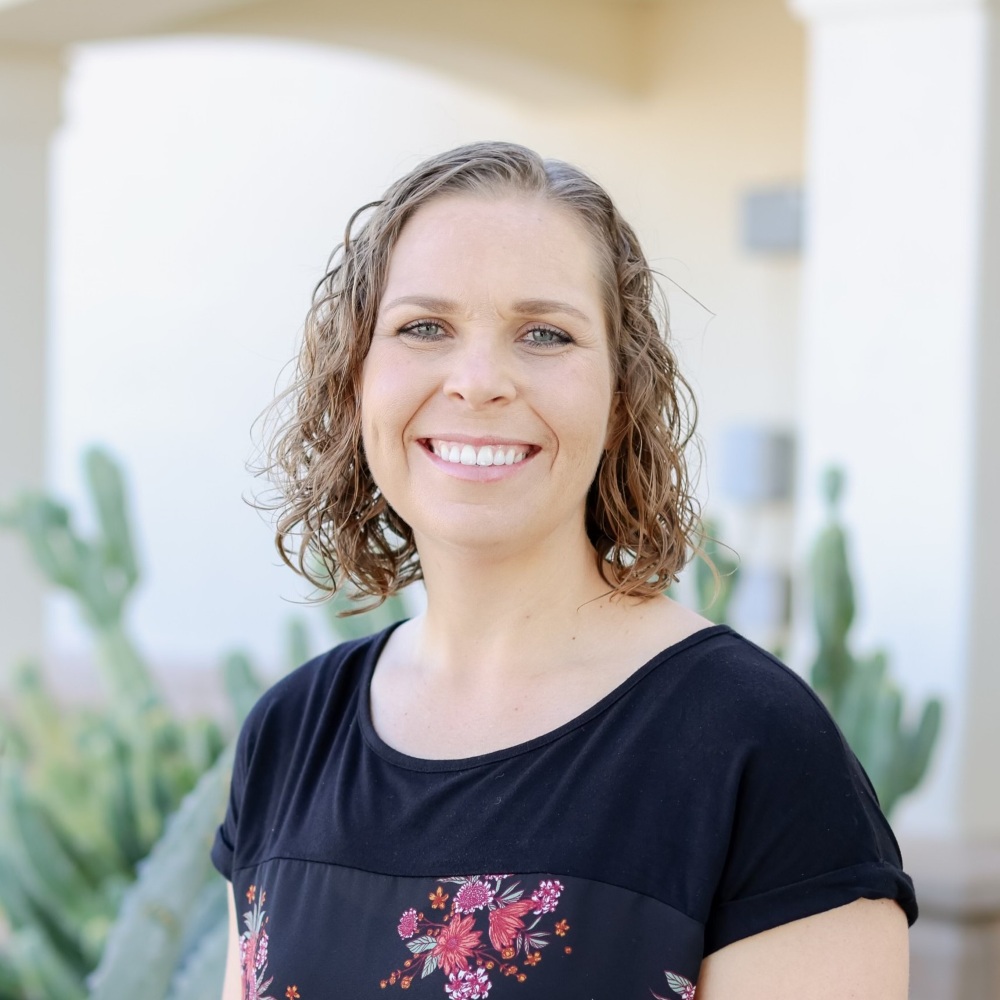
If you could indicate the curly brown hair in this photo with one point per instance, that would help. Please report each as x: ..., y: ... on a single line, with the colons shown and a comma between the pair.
x: 335, y: 526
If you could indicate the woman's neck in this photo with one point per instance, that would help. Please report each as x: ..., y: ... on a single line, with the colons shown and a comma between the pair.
x: 490, y: 619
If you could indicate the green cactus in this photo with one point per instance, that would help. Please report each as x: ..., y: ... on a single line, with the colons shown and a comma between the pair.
x: 833, y: 599
x: 867, y: 705
x: 106, y: 817
x: 147, y: 942
x: 84, y: 794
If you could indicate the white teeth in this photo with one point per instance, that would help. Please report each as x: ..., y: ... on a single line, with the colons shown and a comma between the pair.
x: 466, y: 454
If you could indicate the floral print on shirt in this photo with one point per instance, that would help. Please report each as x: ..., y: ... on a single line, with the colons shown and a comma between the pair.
x: 486, y: 927
x: 253, y: 952
x: 684, y: 988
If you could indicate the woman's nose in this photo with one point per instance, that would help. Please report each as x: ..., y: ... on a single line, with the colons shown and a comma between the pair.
x: 480, y: 373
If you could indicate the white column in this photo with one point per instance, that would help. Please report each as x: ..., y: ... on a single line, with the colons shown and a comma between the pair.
x: 30, y: 86
x: 900, y: 358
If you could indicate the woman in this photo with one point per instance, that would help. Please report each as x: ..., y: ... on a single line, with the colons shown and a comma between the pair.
x: 556, y: 782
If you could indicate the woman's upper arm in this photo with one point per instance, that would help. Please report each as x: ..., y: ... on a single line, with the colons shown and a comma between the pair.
x: 232, y: 987
x: 859, y: 950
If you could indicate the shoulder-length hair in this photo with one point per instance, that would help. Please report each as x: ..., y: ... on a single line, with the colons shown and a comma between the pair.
x: 334, y: 526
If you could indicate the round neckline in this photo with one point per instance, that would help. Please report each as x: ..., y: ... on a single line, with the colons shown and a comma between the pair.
x: 403, y: 760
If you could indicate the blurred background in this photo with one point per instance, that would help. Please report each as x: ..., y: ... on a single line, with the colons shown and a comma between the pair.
x: 818, y: 182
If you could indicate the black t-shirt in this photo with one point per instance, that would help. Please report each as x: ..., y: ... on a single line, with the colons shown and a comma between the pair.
x: 708, y: 797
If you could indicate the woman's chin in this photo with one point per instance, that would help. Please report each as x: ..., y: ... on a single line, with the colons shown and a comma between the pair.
x: 475, y: 536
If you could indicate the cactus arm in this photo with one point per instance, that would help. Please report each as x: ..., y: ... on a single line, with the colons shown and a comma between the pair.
x: 15, y: 906
x: 298, y: 642
x: 108, y: 492
x: 833, y: 599
x: 10, y: 981
x: 146, y: 941
x: 918, y: 744
x: 885, y: 740
x: 200, y: 977
x: 55, y: 883
x: 200, y: 971
x: 45, y: 526
x: 43, y: 972
x: 126, y: 675
x: 241, y: 683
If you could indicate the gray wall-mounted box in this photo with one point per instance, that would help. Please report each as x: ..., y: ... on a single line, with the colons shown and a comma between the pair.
x: 757, y: 464
x: 772, y: 219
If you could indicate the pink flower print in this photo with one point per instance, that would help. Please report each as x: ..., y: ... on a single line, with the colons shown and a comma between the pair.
x: 546, y: 896
x: 408, y: 924
x: 494, y: 878
x: 262, y: 950
x: 473, y: 896
x: 472, y: 984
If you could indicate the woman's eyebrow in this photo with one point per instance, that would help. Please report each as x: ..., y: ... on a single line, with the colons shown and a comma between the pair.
x: 428, y: 302
x: 524, y: 307
x: 528, y: 307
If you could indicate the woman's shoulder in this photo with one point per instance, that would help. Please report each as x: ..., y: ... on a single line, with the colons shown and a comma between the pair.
x: 317, y: 687
x: 746, y: 676
x: 716, y: 655
x: 732, y: 691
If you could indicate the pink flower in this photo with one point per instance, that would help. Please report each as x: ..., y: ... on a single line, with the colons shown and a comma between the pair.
x: 546, y: 896
x: 473, y: 896
x: 472, y: 984
x: 262, y: 950
x: 408, y: 924
x: 494, y: 878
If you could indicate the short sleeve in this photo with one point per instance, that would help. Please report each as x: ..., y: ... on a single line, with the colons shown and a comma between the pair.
x: 807, y: 834
x: 224, y: 845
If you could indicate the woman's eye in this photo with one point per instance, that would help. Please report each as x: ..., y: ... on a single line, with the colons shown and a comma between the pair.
x: 545, y: 336
x: 423, y: 330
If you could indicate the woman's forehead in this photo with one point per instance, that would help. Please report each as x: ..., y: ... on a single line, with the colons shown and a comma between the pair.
x: 523, y: 245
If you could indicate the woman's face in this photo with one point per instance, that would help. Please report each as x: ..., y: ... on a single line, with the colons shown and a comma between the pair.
x: 488, y: 386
